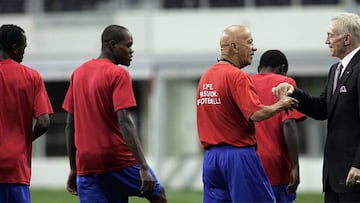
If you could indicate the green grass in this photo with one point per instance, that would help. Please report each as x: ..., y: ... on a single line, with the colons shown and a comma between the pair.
x: 62, y: 196
x: 309, y: 198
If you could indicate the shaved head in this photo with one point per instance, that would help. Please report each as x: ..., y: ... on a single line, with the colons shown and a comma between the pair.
x: 114, y: 32
x: 236, y: 45
x: 232, y: 34
x: 116, y: 44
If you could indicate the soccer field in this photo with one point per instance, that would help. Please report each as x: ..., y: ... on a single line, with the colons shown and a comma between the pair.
x: 62, y: 196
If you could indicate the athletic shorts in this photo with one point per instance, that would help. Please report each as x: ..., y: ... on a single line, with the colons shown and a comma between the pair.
x: 14, y: 193
x: 232, y: 174
x: 113, y: 187
x: 281, y: 194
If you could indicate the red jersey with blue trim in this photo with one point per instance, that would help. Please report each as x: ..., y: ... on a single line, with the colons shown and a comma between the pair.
x: 225, y: 101
x: 98, y: 89
x: 23, y: 97
x: 272, y: 147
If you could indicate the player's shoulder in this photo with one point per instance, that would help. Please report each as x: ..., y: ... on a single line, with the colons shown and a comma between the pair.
x: 282, y: 78
x: 289, y: 79
x: 30, y: 70
x: 111, y: 67
x: 236, y: 72
x: 118, y: 71
x: 268, y: 76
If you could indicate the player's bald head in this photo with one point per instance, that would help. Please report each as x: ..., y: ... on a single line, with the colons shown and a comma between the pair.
x: 232, y: 34
x: 237, y: 46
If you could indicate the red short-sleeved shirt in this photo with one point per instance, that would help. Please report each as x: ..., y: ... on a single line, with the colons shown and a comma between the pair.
x: 23, y: 97
x: 98, y: 89
x: 272, y: 147
x: 225, y: 101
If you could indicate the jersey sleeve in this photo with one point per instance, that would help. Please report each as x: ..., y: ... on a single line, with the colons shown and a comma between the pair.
x: 245, y: 95
x: 123, y: 94
x: 42, y: 104
x: 68, y: 104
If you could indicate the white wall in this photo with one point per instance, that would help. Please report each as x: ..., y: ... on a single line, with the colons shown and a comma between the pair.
x: 71, y: 38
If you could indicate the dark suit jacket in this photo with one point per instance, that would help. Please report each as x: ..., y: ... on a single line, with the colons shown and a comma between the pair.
x: 342, y: 109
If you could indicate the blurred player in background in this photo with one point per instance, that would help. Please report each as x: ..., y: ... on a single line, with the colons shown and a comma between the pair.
x: 105, y: 153
x: 227, y: 107
x: 277, y: 136
x: 23, y: 98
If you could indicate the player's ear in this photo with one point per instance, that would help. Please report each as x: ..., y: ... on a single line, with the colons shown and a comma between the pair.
x: 14, y: 48
x: 233, y: 45
x: 283, y: 69
x: 112, y: 44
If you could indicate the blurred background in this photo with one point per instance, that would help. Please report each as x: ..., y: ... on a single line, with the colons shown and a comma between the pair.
x: 175, y: 41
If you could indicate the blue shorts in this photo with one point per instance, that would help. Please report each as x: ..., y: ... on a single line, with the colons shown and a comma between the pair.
x: 14, y: 193
x: 281, y: 194
x: 113, y: 187
x: 232, y: 174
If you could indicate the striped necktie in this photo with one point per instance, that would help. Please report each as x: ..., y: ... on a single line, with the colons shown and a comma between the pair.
x: 337, y: 76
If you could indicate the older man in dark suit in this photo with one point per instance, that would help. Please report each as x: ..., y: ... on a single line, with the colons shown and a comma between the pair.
x: 340, y: 104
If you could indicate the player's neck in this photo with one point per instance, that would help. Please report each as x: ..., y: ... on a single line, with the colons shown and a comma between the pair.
x: 227, y: 61
x: 4, y: 55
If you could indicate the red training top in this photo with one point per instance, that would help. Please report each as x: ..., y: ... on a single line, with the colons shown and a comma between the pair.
x: 98, y: 89
x: 225, y: 101
x: 272, y: 147
x: 23, y: 97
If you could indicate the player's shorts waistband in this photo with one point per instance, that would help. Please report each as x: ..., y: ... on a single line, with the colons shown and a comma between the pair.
x: 224, y: 146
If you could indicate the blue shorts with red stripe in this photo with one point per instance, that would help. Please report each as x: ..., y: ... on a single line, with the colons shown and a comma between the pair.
x: 14, y: 193
x: 233, y: 174
x: 113, y: 187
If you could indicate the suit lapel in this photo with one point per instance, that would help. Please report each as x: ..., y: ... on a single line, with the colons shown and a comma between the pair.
x: 341, y: 84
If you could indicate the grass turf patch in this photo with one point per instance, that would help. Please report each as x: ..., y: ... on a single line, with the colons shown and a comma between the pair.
x: 174, y: 196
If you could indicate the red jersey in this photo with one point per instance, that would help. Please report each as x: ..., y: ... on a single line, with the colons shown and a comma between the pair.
x: 272, y: 147
x: 23, y: 97
x: 98, y: 89
x: 225, y: 101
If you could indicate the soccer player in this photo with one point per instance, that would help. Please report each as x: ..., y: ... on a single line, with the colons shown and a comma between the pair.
x: 23, y: 98
x: 277, y: 136
x: 105, y: 153
x: 227, y: 107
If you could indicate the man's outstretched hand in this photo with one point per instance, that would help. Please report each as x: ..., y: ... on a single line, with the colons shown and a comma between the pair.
x: 283, y: 89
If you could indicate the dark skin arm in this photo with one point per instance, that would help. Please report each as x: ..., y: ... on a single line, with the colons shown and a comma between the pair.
x: 70, y: 143
x: 41, y: 126
x: 129, y: 133
x: 292, y: 141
